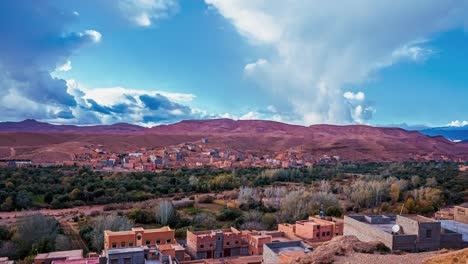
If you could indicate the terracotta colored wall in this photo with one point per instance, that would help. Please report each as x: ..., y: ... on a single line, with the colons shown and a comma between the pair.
x: 118, y: 239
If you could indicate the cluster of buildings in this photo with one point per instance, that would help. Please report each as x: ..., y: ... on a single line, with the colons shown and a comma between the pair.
x: 159, y: 246
x: 411, y: 233
x: 191, y: 155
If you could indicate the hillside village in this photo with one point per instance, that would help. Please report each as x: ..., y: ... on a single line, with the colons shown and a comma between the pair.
x: 198, y: 154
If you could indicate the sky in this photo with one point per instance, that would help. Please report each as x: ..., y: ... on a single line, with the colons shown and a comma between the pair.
x: 150, y: 62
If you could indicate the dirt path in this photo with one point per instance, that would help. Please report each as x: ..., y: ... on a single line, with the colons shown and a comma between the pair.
x: 70, y: 229
x: 11, y: 217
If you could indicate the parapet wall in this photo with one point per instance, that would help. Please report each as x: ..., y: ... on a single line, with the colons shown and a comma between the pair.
x: 366, y: 232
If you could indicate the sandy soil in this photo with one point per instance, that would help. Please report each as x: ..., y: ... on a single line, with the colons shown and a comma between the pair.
x: 414, y: 258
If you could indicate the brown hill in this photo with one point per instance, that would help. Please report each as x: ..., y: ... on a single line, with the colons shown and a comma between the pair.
x: 357, y: 143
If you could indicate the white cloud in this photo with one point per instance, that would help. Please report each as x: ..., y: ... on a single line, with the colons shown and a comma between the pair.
x: 250, y: 67
x: 413, y: 51
x: 113, y: 95
x: 457, y: 123
x: 252, y: 115
x: 320, y: 46
x: 95, y: 36
x: 65, y: 67
x: 359, y: 96
x: 145, y: 12
x: 76, y: 13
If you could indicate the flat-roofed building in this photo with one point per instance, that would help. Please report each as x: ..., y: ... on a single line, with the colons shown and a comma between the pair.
x: 284, y: 252
x: 47, y: 258
x: 129, y: 255
x: 402, y: 232
x: 89, y: 260
x: 315, y: 229
x: 139, y: 237
x: 215, y: 243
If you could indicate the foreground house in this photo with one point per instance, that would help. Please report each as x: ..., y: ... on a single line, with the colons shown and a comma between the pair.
x: 48, y: 258
x: 315, y: 229
x: 138, y: 244
x: 284, y: 252
x: 402, y: 232
x: 215, y: 243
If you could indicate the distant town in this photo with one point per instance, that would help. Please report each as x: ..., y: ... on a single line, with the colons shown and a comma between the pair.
x: 200, y: 154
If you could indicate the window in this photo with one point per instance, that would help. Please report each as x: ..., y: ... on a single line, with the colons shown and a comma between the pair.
x: 318, y: 235
x: 236, y: 242
x: 148, y: 242
x: 114, y: 261
x: 127, y: 260
x: 429, y: 233
x: 227, y: 243
x: 328, y: 233
x: 202, y: 246
x: 219, y: 238
x: 139, y: 237
x: 211, y: 245
x: 461, y: 211
x: 130, y: 243
x: 168, y: 240
x: 318, y: 227
x: 114, y: 244
x: 158, y: 241
x: 122, y: 244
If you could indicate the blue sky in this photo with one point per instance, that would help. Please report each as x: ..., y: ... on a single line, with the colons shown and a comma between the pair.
x: 160, y: 61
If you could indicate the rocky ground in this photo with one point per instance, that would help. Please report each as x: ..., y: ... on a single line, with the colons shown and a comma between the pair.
x: 349, y: 250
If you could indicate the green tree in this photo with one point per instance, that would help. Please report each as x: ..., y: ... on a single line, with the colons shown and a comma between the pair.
x: 111, y: 222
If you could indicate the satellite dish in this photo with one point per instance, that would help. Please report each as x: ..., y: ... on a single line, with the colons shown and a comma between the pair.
x: 395, y: 228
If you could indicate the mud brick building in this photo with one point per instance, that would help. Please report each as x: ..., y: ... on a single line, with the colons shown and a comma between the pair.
x: 216, y: 243
x: 315, y: 229
x: 139, y: 237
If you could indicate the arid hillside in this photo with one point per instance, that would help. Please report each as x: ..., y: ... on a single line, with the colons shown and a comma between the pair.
x: 358, y: 143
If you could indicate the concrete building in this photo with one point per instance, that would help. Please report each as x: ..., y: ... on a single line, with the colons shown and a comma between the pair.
x: 460, y: 213
x: 284, y: 252
x: 130, y: 255
x: 402, y: 232
x: 457, y: 227
x: 138, y: 237
x: 215, y: 244
x: 47, y: 258
x: 315, y: 229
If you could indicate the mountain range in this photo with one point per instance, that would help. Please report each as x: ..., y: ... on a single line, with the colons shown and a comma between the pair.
x: 35, y: 140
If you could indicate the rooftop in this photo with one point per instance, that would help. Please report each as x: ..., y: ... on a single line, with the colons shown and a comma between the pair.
x: 78, y: 261
x: 456, y: 226
x: 137, y: 229
x: 420, y: 219
x: 69, y: 254
x: 214, y: 232
x: 126, y: 250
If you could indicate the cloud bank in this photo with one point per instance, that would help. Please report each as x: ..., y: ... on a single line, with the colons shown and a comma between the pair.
x: 321, y: 46
x: 34, y: 42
